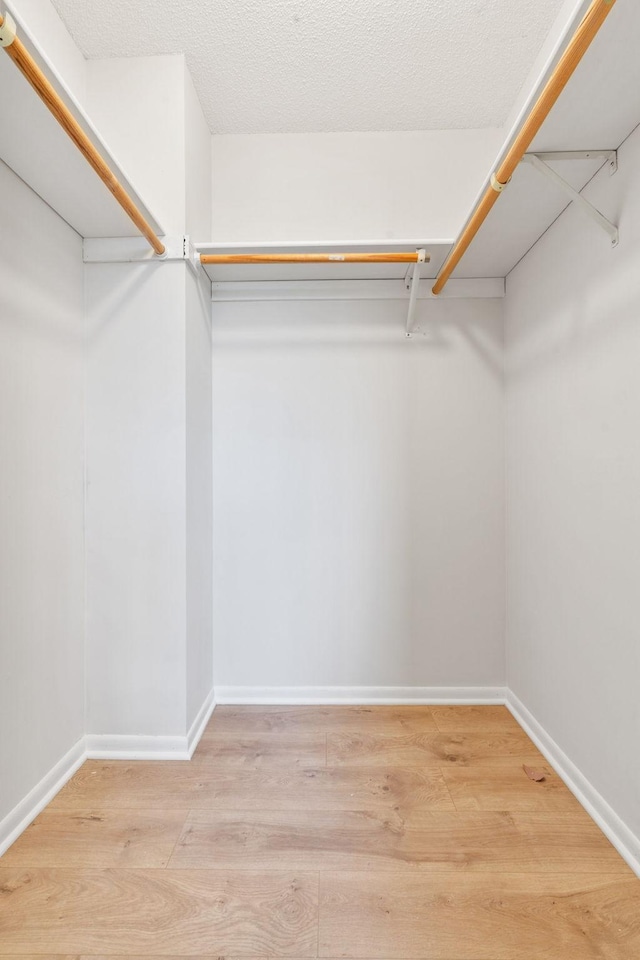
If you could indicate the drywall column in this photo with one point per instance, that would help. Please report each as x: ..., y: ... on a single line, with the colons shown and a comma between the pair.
x: 138, y: 104
x: 199, y: 494
x: 149, y: 656
x: 136, y: 489
x: 199, y: 509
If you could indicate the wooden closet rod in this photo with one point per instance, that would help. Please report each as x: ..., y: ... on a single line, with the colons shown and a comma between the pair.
x: 32, y: 72
x: 315, y: 257
x: 578, y: 46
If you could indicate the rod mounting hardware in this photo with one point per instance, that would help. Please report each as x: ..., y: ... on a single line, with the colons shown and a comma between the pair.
x: 537, y: 161
x: 573, y: 53
x: 8, y: 31
x: 413, y: 293
x: 497, y: 185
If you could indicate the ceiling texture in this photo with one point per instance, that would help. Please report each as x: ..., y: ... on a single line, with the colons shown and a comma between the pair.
x: 303, y: 66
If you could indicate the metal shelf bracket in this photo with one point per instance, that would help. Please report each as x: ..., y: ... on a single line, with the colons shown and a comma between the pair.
x: 539, y: 162
x: 412, y: 282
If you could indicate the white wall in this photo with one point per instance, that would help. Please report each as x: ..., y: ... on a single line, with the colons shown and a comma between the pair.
x: 573, y: 337
x: 199, y: 495
x: 41, y: 507
x: 197, y: 165
x: 570, y: 13
x: 348, y: 186
x: 149, y: 606
x: 358, y: 495
x: 149, y: 589
x: 138, y: 105
x: 168, y: 158
x: 136, y: 487
x: 199, y: 492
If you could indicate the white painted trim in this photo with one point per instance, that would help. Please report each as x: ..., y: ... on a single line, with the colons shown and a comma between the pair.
x: 37, y: 799
x: 132, y: 250
x: 100, y: 747
x: 372, y: 289
x: 112, y: 746
x: 626, y: 843
x: 314, y: 246
x: 199, y: 724
x: 282, y: 696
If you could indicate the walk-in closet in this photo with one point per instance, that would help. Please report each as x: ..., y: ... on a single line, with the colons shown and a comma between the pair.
x: 320, y: 480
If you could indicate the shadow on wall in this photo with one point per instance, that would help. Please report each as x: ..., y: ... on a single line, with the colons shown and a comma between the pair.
x: 572, y: 316
x: 129, y: 282
x: 318, y: 324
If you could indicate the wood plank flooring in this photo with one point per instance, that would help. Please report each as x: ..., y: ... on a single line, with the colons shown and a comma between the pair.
x: 372, y: 833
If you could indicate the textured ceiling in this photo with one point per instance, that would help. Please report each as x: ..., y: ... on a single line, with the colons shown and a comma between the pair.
x: 292, y: 66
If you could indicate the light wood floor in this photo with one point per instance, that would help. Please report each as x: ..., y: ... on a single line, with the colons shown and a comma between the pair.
x: 364, y: 832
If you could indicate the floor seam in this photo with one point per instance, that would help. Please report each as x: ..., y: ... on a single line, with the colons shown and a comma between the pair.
x: 178, y: 838
x: 449, y: 794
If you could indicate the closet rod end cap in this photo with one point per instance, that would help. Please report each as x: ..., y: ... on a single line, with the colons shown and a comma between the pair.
x: 8, y: 30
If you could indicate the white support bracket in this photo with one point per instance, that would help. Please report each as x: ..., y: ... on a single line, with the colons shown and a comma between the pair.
x: 551, y: 156
x: 7, y: 31
x: 538, y: 161
x: 137, y: 250
x: 413, y: 285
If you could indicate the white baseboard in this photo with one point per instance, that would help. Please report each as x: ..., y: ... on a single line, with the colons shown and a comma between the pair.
x: 285, y: 696
x: 199, y: 724
x: 626, y: 843
x: 100, y: 747
x: 126, y: 747
x: 36, y: 800
x: 113, y: 746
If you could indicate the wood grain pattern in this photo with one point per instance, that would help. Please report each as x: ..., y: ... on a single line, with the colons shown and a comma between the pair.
x: 192, y: 785
x: 98, y: 838
x: 424, y: 749
x: 567, y: 843
x: 348, y: 840
x: 324, y: 720
x: 505, y: 786
x: 148, y: 785
x: 158, y: 911
x: 279, y: 749
x: 376, y: 840
x: 461, y: 915
x: 422, y: 832
x: 478, y: 719
x: 337, y: 257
